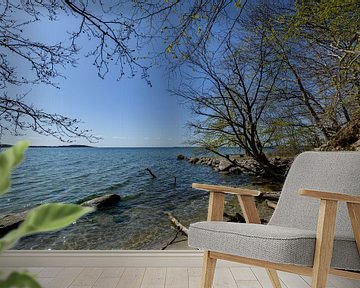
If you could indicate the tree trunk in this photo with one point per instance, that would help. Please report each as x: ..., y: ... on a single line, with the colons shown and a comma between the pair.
x: 270, y: 170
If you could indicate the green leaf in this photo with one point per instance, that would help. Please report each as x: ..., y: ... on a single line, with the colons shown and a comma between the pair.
x: 52, y: 216
x: 9, y: 239
x: 9, y: 159
x: 47, y: 217
x: 169, y: 48
x: 195, y: 16
x: 238, y: 4
x: 20, y: 280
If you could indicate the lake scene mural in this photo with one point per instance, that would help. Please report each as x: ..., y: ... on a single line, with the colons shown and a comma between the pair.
x: 126, y: 104
x: 137, y: 220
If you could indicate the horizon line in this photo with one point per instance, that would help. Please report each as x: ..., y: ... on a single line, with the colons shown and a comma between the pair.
x: 5, y: 145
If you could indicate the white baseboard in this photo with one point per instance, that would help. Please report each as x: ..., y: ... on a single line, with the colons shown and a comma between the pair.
x: 104, y: 258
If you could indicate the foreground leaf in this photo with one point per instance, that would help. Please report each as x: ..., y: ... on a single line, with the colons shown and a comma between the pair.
x: 52, y: 216
x: 20, y: 280
x: 9, y: 159
x: 9, y: 239
x: 47, y: 217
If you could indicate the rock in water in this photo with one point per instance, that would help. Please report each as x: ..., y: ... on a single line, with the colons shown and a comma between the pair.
x: 102, y: 201
x: 180, y: 157
x: 193, y: 160
x: 224, y: 165
x: 10, y: 222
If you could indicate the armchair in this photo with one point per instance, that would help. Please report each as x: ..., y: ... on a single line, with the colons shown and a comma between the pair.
x: 312, y: 232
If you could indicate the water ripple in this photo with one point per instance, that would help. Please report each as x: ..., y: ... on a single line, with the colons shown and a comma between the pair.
x: 137, y: 222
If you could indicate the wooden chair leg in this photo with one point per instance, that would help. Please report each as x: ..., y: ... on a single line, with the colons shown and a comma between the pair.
x: 324, y: 243
x: 208, y: 271
x: 274, y: 278
x: 354, y: 212
x: 251, y: 215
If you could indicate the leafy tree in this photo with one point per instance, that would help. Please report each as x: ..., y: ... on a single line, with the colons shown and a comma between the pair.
x: 334, y: 25
x: 318, y: 42
x: 116, y: 33
x: 310, y: 73
x: 234, y: 96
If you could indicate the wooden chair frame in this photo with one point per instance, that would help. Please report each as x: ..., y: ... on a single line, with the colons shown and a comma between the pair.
x: 324, y: 235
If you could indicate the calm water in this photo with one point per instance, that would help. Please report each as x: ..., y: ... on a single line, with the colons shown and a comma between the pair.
x: 138, y: 220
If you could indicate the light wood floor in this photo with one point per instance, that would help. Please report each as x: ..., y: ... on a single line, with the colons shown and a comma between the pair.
x: 171, y: 277
x: 158, y: 271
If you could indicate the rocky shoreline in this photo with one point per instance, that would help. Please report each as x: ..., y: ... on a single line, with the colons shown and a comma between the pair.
x: 237, y: 164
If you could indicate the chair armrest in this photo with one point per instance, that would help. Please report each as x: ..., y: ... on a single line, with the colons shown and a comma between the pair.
x: 326, y: 220
x: 353, y: 205
x: 216, y: 201
x: 323, y: 195
x: 225, y: 189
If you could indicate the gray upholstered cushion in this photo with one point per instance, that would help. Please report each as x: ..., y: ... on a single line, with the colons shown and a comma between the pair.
x: 270, y: 243
x: 326, y: 171
x: 289, y: 237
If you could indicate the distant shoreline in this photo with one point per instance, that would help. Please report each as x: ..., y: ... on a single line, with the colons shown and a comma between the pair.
x: 59, y: 146
x: 122, y: 147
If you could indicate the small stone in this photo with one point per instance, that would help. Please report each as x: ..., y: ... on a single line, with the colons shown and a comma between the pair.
x: 235, y: 170
x: 225, y: 165
x: 193, y: 160
x: 180, y: 157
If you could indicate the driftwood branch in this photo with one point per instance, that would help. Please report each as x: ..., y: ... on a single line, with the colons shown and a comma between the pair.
x: 177, y: 224
x: 171, y: 241
x: 151, y: 173
x: 271, y: 204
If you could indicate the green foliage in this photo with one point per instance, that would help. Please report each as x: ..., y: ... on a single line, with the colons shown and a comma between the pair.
x: 318, y: 43
x: 195, y: 16
x: 47, y: 217
x: 8, y: 161
x: 334, y: 17
x: 20, y: 280
x: 290, y: 139
x: 169, y: 49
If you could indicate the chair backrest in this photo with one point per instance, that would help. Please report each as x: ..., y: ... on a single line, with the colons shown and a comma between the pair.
x: 325, y: 171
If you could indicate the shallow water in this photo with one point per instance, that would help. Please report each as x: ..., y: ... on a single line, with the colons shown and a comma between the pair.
x: 138, y: 220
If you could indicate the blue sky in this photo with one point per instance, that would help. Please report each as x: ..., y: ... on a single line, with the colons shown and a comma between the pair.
x: 125, y: 113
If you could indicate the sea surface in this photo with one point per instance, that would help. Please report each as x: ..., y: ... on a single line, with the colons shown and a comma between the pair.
x: 138, y: 221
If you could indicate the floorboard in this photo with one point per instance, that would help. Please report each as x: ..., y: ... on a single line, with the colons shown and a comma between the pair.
x: 148, y: 270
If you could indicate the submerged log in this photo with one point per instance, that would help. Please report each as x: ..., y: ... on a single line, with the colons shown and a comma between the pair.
x: 102, y: 201
x: 177, y: 224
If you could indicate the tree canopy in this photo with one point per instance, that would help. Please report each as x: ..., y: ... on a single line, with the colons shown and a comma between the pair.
x: 264, y: 73
x: 118, y: 33
x: 288, y: 77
